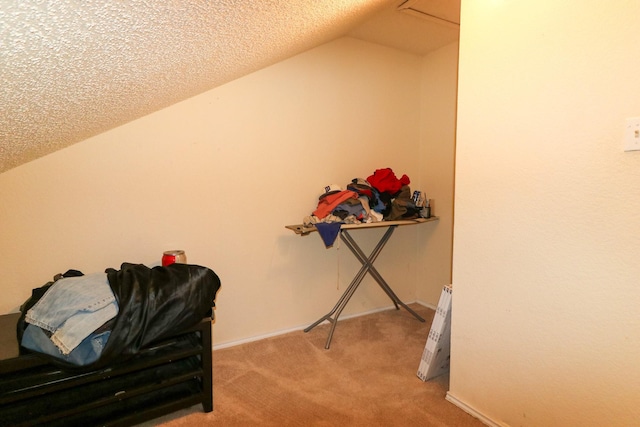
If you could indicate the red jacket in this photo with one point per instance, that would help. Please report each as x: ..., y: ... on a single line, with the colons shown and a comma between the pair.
x: 385, y: 181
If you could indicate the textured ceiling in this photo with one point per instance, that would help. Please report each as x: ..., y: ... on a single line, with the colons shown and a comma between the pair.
x: 70, y: 69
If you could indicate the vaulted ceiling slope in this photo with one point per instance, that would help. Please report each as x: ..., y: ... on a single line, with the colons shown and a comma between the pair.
x: 71, y: 69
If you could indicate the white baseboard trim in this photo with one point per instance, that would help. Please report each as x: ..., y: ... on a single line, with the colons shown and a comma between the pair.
x: 426, y: 304
x: 471, y: 411
x: 300, y: 328
x: 234, y: 343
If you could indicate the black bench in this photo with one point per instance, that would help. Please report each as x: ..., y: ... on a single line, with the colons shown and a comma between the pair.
x: 171, y: 374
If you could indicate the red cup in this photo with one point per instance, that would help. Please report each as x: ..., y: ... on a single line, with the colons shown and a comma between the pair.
x: 171, y: 257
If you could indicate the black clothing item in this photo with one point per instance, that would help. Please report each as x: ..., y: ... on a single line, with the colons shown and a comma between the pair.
x: 157, y: 302
x: 402, y: 206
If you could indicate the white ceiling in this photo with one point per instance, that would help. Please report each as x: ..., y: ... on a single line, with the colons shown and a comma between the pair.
x: 416, y: 26
x: 72, y: 69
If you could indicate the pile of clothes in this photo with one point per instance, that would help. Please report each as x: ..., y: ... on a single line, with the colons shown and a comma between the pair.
x: 92, y: 320
x: 381, y: 197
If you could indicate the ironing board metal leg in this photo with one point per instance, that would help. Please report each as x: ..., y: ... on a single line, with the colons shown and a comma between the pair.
x: 374, y: 273
x: 367, y: 267
x: 368, y: 264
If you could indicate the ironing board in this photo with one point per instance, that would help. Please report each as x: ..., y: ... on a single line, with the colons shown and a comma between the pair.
x: 367, y: 266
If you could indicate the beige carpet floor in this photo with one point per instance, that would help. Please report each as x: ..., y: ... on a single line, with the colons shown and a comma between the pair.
x: 367, y: 378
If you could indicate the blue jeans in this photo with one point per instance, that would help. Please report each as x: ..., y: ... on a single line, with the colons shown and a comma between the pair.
x: 73, y: 308
x: 87, y: 352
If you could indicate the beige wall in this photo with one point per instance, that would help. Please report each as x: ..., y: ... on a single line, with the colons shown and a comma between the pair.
x: 546, y: 238
x: 437, y: 147
x: 219, y: 175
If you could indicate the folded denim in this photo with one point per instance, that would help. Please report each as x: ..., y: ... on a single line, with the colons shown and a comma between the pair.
x: 88, y: 351
x: 73, y: 308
